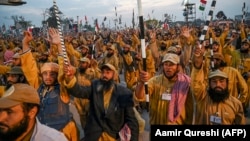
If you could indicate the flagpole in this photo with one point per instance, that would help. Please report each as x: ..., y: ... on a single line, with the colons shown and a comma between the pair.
x: 143, y: 48
x: 209, y: 18
x: 204, y: 31
x: 244, y: 12
x: 93, y: 46
x: 60, y: 33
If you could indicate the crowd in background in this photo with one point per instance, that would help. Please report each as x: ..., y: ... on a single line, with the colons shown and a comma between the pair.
x: 40, y: 63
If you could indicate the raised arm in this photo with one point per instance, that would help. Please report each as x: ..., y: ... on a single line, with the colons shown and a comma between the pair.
x: 28, y: 62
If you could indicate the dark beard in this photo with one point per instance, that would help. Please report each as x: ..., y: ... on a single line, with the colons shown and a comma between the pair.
x: 16, y: 131
x: 84, y: 54
x: 207, y: 46
x: 243, y: 50
x: 106, y: 84
x: 163, y: 48
x: 125, y: 52
x: 218, y: 96
x: 178, y: 53
x: 43, y: 60
x: 81, y: 70
x: 216, y: 66
x: 10, y: 83
x: 110, y: 54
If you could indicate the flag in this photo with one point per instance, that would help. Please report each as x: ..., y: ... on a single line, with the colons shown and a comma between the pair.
x: 120, y: 19
x: 115, y: 12
x: 202, y: 5
x: 86, y: 20
x: 29, y: 29
x: 96, y: 26
x: 133, y: 19
x: 3, y: 27
x: 80, y: 23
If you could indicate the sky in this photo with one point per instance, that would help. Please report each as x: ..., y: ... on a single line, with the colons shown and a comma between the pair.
x: 33, y: 10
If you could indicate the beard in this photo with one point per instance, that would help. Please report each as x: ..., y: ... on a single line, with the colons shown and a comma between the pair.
x: 207, y: 46
x: 14, y: 132
x: 10, y: 83
x: 82, y: 70
x: 110, y: 54
x: 125, y: 51
x: 217, y: 66
x: 163, y: 48
x: 43, y: 60
x: 218, y: 95
x: 178, y: 53
x: 172, y: 76
x: 243, y: 50
x: 84, y: 54
x: 107, y: 84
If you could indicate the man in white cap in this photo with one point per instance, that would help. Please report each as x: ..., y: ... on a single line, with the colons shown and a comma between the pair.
x: 18, y: 110
x: 169, y: 96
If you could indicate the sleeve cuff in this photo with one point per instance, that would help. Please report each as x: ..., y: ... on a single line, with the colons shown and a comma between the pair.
x: 24, y: 52
x: 70, y: 84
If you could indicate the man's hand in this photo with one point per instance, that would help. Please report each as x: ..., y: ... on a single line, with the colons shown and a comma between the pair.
x: 27, y: 37
x: 185, y: 31
x: 54, y: 36
x: 144, y: 76
x: 69, y: 72
x: 199, y: 51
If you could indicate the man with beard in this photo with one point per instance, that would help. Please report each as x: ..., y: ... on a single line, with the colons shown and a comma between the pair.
x: 111, y: 58
x: 234, y: 79
x: 111, y: 105
x: 18, y: 110
x: 43, y: 58
x: 244, y: 54
x: 215, y: 105
x: 170, y: 99
x: 14, y: 75
x: 163, y: 50
x: 84, y: 75
x: 85, y: 51
x: 244, y: 66
x: 216, y: 47
x: 219, y: 35
x: 131, y: 64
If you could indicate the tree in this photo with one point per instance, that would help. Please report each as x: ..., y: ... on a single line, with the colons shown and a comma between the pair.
x: 20, y: 22
x: 52, y: 22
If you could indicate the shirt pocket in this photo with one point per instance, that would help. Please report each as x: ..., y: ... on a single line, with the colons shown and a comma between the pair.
x: 51, y: 106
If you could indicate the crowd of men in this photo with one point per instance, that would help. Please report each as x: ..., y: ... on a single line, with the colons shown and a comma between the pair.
x: 189, y: 82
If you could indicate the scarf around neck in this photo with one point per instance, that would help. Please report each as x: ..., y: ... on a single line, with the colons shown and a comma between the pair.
x: 178, y: 96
